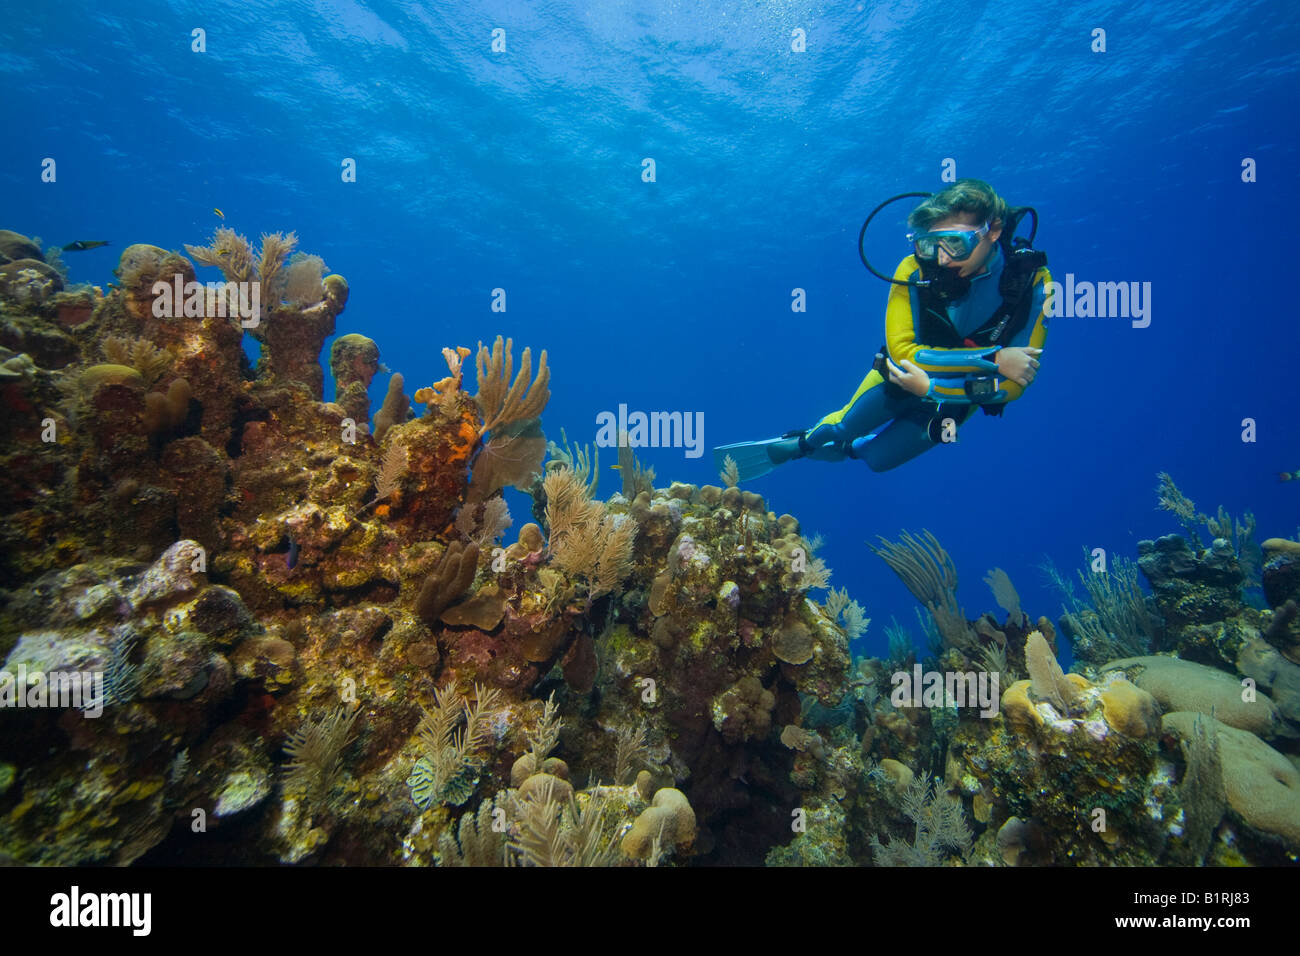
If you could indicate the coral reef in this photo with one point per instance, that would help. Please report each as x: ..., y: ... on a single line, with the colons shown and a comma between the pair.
x: 311, y: 635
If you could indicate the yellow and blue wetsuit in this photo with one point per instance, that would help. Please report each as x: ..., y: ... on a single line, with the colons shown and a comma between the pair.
x: 907, y: 418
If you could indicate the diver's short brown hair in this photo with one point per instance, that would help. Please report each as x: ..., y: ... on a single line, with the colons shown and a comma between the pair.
x: 973, y: 196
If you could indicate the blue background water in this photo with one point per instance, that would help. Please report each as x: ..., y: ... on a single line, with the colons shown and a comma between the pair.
x: 522, y: 170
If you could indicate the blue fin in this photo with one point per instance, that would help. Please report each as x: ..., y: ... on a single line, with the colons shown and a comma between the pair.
x: 751, y: 457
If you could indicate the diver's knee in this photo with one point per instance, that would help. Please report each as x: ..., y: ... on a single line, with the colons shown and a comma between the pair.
x: 872, y: 454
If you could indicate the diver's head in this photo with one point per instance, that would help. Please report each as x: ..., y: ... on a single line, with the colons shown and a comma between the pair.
x: 959, y: 227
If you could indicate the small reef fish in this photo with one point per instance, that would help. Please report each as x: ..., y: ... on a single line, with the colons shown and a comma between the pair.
x: 291, y: 557
x: 81, y: 245
x: 219, y: 212
x: 1289, y: 476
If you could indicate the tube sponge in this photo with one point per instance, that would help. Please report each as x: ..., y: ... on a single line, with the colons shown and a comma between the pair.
x: 166, y: 411
x: 393, y: 412
x: 448, y: 581
x: 669, y: 817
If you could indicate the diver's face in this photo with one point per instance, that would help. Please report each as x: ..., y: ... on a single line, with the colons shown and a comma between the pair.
x: 966, y: 222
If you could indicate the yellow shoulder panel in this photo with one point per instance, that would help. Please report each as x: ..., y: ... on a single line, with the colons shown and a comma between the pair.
x: 900, y: 324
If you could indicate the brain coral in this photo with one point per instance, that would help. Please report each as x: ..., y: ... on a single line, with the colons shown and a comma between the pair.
x: 669, y: 817
x: 1263, y: 787
x: 1130, y: 710
x: 1184, y: 685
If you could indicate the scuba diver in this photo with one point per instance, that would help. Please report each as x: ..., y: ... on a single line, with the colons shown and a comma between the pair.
x: 965, y: 324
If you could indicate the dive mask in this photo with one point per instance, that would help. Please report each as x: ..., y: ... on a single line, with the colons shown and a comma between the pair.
x: 958, y: 243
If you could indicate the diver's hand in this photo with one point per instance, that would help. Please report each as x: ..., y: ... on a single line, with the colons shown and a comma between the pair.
x: 1017, y: 364
x: 911, y: 378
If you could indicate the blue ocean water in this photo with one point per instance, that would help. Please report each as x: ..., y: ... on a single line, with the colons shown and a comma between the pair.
x: 522, y: 170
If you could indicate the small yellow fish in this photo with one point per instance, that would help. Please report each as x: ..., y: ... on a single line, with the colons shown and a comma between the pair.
x: 219, y: 212
x: 617, y: 467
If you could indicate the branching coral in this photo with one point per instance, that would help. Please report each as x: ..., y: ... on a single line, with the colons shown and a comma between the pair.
x: 630, y: 747
x: 923, y: 565
x: 396, y: 461
x: 582, y: 460
x: 585, y: 541
x: 1240, y: 534
x: 276, y: 247
x: 233, y: 255
x: 939, y: 827
x: 478, y: 841
x: 1201, y: 791
x: 855, y: 620
x: 730, y: 473
x: 140, y: 354
x: 444, y: 394
x: 395, y: 465
x: 993, y: 658
x: 229, y: 251
x: 901, y: 649
x: 927, y: 570
x: 543, y: 738
x: 121, y: 677
x: 485, y: 531
x: 837, y: 599
x: 1172, y: 499
x: 501, y: 402
x: 1121, y: 606
x: 850, y: 615
x: 635, y: 478
x: 554, y: 831
x: 451, y: 734
x: 315, y: 748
